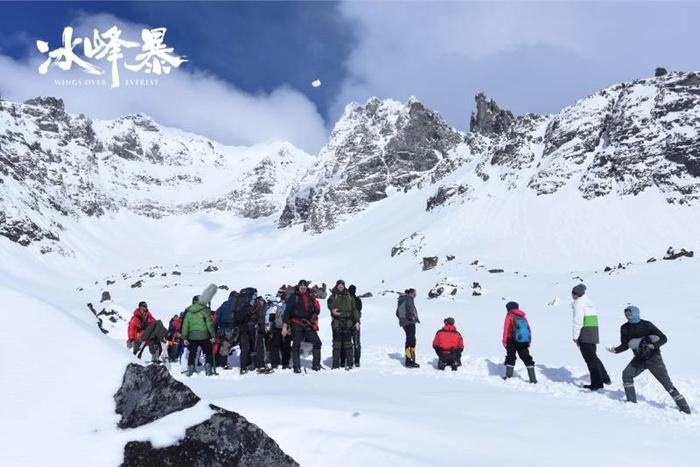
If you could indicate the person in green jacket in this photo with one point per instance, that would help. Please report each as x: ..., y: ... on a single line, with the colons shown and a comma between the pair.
x: 346, y: 320
x: 198, y: 332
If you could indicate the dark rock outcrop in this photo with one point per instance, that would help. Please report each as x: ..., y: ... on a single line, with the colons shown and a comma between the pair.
x: 226, y: 439
x: 149, y: 393
x: 429, y: 262
x: 136, y: 284
x: 673, y: 253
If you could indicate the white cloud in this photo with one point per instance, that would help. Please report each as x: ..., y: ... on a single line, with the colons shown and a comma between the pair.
x: 530, y: 56
x: 187, y: 98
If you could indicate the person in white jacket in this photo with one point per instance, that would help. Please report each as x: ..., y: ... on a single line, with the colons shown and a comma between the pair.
x: 585, y: 336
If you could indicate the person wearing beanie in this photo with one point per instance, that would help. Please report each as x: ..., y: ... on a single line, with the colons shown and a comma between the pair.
x: 408, y: 318
x: 585, y: 336
x: 448, y: 345
x: 645, y: 340
x: 345, y: 321
x: 517, y: 337
x: 356, y: 335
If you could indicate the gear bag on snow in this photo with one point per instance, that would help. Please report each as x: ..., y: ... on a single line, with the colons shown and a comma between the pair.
x: 244, y: 304
x: 521, y: 331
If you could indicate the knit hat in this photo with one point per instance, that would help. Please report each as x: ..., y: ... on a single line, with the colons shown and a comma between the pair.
x: 352, y: 289
x: 340, y: 281
x: 450, y: 321
x: 512, y: 306
x: 303, y: 282
x: 143, y: 304
x: 634, y: 319
x: 579, y: 290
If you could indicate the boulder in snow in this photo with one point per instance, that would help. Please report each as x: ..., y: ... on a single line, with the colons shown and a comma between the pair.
x: 137, y: 284
x: 149, y: 393
x: 673, y: 253
x: 226, y: 438
x: 429, y: 262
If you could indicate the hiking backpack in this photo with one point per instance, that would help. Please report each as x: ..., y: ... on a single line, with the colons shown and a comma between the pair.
x: 521, y: 331
x: 279, y: 314
x: 244, y: 304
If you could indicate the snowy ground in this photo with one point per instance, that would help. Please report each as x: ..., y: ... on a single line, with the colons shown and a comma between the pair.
x: 60, y: 372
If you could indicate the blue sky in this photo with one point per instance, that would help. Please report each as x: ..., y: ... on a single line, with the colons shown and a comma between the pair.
x: 251, y: 64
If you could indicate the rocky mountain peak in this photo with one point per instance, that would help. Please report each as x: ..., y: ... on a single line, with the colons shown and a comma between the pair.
x: 489, y: 119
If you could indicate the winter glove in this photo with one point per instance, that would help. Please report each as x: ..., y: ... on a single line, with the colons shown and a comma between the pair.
x: 129, y: 344
x: 611, y: 349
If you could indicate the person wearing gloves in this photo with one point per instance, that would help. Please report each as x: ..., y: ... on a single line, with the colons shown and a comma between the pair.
x: 645, y: 340
x: 585, y: 335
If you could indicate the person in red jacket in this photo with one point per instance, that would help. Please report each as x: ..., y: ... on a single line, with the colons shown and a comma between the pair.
x: 517, y: 338
x: 138, y: 323
x: 448, y: 345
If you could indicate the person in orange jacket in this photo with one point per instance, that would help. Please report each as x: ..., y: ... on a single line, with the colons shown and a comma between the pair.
x: 448, y: 345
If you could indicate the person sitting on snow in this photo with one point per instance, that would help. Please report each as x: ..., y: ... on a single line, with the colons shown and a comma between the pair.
x: 448, y: 345
x: 140, y: 320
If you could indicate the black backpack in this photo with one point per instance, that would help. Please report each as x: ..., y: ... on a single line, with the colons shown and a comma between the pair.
x: 242, y: 309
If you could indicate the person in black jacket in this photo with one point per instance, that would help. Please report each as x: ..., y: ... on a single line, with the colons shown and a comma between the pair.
x: 645, y: 340
x: 298, y: 321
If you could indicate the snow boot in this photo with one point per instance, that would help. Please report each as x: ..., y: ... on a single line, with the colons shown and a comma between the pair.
x: 441, y: 365
x: 207, y: 369
x: 531, y: 374
x: 592, y: 387
x: 630, y: 394
x: 681, y: 403
x: 316, y: 360
x: 297, y: 370
x: 263, y: 370
x: 190, y: 370
x: 411, y: 358
x: 454, y: 366
x: 509, y: 371
x: 336, y: 359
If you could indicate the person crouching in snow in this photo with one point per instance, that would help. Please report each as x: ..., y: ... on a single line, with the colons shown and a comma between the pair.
x: 517, y: 338
x: 645, y: 340
x: 448, y: 345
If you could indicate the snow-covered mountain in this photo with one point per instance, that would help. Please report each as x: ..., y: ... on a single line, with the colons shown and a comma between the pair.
x: 631, y: 138
x: 56, y: 167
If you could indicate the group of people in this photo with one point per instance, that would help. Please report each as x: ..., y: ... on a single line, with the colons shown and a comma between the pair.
x: 641, y: 336
x: 270, y: 332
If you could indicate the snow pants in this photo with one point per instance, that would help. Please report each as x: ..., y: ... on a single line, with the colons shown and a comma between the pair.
x: 279, y: 348
x: 523, y: 350
x: 655, y: 364
x: 595, y: 367
x: 410, y: 330
x: 206, y: 347
x: 299, y: 333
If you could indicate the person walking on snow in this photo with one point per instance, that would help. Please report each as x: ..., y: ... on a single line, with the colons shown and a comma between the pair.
x: 448, y: 345
x: 517, y: 337
x: 645, y: 340
x: 408, y: 318
x: 585, y: 336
